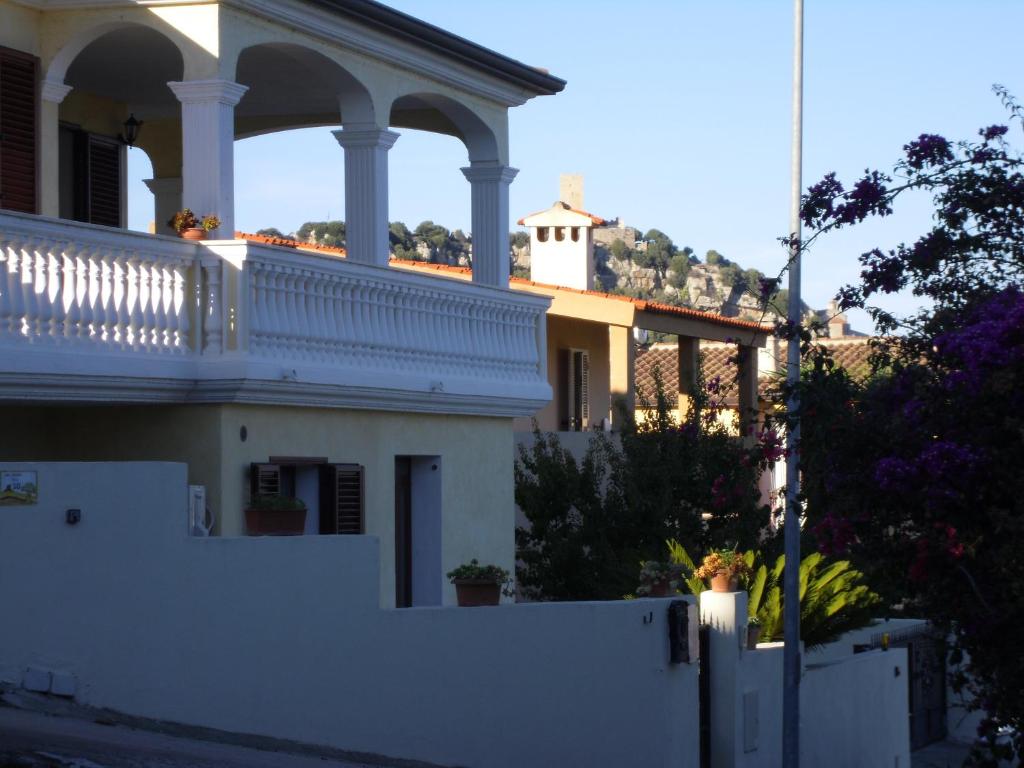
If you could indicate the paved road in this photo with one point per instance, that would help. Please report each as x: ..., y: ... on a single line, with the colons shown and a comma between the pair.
x: 35, y: 740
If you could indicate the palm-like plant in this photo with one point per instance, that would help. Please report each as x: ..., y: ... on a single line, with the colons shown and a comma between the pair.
x: 833, y: 598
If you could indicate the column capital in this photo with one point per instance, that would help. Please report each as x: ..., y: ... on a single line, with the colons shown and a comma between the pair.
x: 54, y: 91
x: 368, y: 138
x: 167, y: 184
x: 223, y: 92
x: 497, y: 173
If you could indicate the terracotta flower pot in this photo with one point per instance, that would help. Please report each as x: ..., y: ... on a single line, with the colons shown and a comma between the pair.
x: 660, y: 589
x: 275, y: 522
x: 473, y: 592
x: 193, y: 233
x: 723, y: 581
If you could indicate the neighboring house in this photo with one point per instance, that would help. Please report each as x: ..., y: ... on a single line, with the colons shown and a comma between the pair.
x: 850, y: 350
x: 384, y: 399
x: 591, y: 336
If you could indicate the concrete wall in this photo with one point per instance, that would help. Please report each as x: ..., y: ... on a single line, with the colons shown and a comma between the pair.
x: 226, y: 633
x: 478, y: 517
x: 853, y: 711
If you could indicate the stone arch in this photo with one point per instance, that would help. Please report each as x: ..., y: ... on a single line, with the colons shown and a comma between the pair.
x: 292, y: 85
x: 442, y: 114
x: 66, y: 55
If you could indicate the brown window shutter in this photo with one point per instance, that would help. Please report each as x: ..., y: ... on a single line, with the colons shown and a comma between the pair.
x: 265, y: 480
x: 18, y: 109
x: 342, y: 501
x: 104, y: 182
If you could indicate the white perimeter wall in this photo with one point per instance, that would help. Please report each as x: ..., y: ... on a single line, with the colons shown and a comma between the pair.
x: 853, y: 711
x: 227, y: 633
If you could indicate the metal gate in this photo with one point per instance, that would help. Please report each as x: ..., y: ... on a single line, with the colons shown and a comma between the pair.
x: 926, y: 662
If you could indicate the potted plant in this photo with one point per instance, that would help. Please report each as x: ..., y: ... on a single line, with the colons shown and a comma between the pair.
x: 191, y: 227
x: 753, y: 632
x: 477, y: 584
x: 658, y: 579
x: 275, y: 516
x: 724, y: 568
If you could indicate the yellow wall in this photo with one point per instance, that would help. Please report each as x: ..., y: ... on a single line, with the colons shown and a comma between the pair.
x: 20, y: 28
x: 476, y: 455
x: 570, y: 333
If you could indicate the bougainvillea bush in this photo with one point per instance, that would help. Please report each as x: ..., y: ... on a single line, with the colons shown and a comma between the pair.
x: 918, y: 475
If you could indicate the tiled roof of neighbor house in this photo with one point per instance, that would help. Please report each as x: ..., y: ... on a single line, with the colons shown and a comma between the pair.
x: 642, y: 305
x: 286, y: 242
x: 719, y: 361
x: 597, y: 220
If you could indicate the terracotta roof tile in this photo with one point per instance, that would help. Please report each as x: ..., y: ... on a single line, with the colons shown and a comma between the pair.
x: 852, y: 354
x: 597, y: 220
x: 285, y: 242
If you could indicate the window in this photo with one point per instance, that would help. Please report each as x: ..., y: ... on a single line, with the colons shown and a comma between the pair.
x: 574, y: 389
x: 574, y: 233
x: 542, y: 234
x: 559, y: 233
x: 335, y: 491
x: 18, y: 108
x: 90, y: 174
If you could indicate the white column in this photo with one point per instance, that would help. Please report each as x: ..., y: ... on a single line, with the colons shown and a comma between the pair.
x: 51, y: 95
x: 208, y: 152
x: 166, y: 202
x: 489, y: 182
x: 366, y: 192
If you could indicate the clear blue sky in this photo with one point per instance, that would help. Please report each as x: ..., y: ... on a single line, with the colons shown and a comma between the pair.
x: 678, y: 114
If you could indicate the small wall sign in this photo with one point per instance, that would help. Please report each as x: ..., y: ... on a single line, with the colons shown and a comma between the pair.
x: 18, y: 489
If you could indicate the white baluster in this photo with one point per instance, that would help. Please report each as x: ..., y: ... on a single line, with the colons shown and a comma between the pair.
x: 330, y: 289
x: 148, y: 303
x: 180, y: 309
x: 136, y: 311
x: 157, y: 293
x: 72, y: 314
x: 119, y: 291
x: 5, y: 290
x: 39, y: 274
x: 170, y: 328
x: 84, y: 294
x: 30, y: 302
x: 96, y: 259
x: 108, y: 310
x: 55, y: 289
x: 212, y: 323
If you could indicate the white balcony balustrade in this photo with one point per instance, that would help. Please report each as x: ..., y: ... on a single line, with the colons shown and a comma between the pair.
x: 91, y: 313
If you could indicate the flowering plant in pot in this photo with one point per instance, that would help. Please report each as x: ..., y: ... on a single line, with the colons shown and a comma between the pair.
x: 724, y: 568
x: 658, y: 579
x: 275, y: 516
x: 192, y: 227
x: 477, y: 584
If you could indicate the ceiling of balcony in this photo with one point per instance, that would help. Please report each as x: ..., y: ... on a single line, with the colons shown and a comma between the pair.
x: 289, y: 86
x: 131, y: 65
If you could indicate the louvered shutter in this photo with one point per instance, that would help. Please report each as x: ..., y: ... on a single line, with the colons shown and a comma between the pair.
x: 341, y: 499
x: 264, y: 480
x: 584, y: 363
x: 18, y: 107
x: 104, y: 182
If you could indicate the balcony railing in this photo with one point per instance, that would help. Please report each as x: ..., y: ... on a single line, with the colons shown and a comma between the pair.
x: 242, y: 321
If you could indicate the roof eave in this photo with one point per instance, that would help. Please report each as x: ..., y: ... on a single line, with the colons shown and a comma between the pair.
x: 378, y: 16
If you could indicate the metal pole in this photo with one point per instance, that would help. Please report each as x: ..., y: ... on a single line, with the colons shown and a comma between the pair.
x: 791, y: 579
